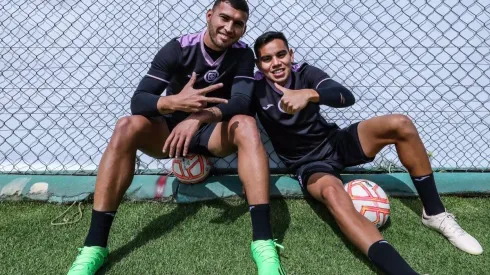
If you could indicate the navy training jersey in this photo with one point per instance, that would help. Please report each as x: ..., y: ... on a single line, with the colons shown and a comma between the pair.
x: 178, y: 59
x: 293, y: 136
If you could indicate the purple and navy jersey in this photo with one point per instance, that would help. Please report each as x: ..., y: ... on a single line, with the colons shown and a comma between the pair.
x: 174, y: 64
x: 293, y: 136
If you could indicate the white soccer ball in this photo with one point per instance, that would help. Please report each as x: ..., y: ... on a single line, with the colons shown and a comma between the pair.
x: 370, y: 200
x: 191, y: 168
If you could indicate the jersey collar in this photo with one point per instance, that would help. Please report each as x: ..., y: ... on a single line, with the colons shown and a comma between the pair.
x: 208, y: 58
x: 288, y: 84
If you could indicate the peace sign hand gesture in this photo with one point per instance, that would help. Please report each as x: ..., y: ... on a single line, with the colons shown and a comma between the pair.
x: 192, y: 100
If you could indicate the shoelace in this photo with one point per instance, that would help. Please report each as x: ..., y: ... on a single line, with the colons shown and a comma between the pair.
x: 449, y: 222
x: 281, y: 248
x: 268, y: 253
x: 85, y: 258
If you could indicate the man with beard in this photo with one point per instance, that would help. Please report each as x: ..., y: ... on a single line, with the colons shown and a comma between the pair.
x: 208, y: 77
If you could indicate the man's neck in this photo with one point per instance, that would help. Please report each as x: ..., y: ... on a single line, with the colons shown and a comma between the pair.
x: 209, y: 43
x: 283, y: 83
x: 286, y: 82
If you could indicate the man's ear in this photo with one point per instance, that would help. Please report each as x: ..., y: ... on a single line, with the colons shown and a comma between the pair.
x: 291, y: 52
x: 244, y: 30
x: 209, y: 13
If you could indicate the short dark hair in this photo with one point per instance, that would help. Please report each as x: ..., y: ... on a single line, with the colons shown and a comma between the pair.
x: 266, y: 38
x: 241, y: 5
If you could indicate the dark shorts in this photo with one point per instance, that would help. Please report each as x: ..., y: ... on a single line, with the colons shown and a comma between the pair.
x: 199, y: 142
x: 342, y: 150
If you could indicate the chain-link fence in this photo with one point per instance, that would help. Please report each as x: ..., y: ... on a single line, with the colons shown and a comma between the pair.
x: 68, y: 70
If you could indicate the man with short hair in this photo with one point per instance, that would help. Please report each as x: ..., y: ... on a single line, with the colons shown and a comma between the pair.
x: 208, y: 78
x: 287, y: 101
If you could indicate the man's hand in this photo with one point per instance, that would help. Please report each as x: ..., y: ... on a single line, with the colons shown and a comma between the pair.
x: 293, y: 101
x: 178, y: 141
x: 192, y: 100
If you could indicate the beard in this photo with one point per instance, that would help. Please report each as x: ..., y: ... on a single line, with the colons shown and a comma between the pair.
x: 213, y: 34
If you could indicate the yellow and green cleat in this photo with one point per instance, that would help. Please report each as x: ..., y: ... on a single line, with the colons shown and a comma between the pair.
x: 264, y: 254
x: 89, y: 260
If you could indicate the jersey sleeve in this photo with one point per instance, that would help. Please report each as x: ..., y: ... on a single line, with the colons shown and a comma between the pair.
x: 315, y: 76
x: 242, y: 89
x: 332, y: 93
x: 164, y: 64
x: 246, y: 65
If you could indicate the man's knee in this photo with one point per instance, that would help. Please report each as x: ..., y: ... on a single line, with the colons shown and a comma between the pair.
x: 404, y: 126
x: 333, y: 195
x: 127, y: 130
x: 244, y: 130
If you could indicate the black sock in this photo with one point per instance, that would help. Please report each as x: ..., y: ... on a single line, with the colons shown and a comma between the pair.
x: 261, y: 221
x: 426, y: 187
x: 99, y: 228
x: 387, y: 259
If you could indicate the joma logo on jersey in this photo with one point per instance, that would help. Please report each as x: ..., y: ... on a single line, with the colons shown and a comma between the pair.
x: 211, y: 76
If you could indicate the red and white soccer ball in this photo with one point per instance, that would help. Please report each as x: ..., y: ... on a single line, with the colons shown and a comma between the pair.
x: 191, y: 168
x: 370, y: 200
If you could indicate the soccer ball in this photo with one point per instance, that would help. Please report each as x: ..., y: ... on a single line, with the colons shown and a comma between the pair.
x: 191, y: 168
x: 370, y: 200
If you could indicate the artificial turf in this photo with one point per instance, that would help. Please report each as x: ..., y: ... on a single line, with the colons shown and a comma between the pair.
x: 214, y: 238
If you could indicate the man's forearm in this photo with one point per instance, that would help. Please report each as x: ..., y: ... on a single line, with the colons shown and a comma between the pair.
x: 333, y: 94
x: 208, y: 115
x: 147, y: 99
x: 165, y: 105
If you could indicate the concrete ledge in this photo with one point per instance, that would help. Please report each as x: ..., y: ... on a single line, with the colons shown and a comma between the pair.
x: 65, y: 189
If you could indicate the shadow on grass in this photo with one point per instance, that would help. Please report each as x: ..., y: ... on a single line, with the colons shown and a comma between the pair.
x: 412, y: 203
x: 280, y: 216
x: 156, y: 229
x: 325, y: 215
x: 280, y: 220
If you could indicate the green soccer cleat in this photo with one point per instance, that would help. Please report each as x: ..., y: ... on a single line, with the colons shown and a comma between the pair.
x: 265, y: 255
x: 89, y: 260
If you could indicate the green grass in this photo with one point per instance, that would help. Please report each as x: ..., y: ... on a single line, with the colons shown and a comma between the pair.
x: 213, y: 238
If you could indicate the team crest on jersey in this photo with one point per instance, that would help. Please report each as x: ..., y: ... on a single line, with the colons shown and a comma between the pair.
x: 211, y: 76
x: 279, y: 107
